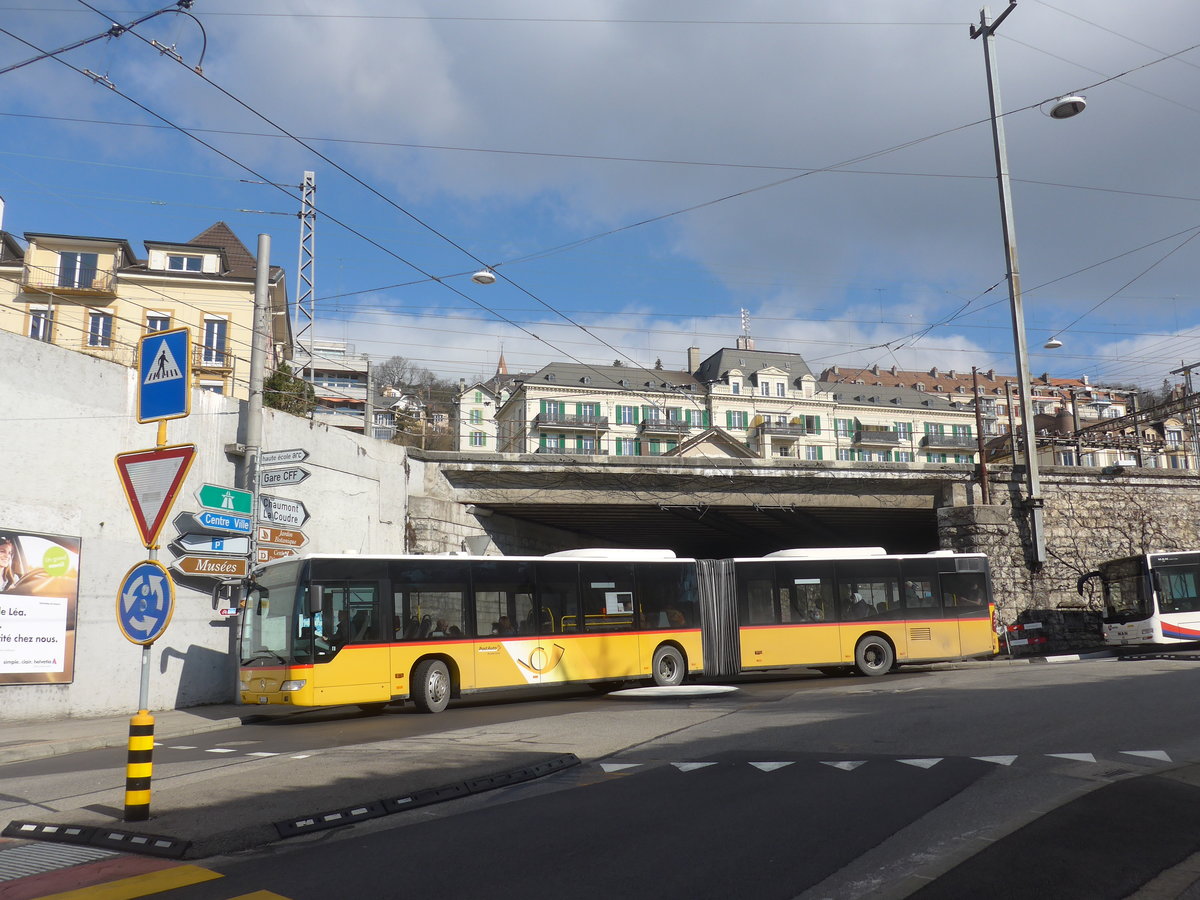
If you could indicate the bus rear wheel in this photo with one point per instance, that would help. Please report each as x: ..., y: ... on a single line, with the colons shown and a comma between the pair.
x: 668, y: 666
x: 431, y: 685
x: 873, y: 655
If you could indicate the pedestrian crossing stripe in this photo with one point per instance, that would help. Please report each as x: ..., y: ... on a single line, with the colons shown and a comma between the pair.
x: 921, y: 763
x: 1074, y: 757
x: 163, y: 367
x: 1149, y: 754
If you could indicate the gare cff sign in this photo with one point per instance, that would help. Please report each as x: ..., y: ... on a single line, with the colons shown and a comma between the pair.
x: 212, y: 566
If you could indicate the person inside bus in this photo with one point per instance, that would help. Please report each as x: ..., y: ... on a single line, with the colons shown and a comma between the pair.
x: 504, y: 626
x: 857, y: 607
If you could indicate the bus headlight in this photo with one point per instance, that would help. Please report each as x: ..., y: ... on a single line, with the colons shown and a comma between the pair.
x: 293, y: 685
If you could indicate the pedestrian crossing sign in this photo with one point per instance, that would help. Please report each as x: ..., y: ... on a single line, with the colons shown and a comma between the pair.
x: 164, y: 375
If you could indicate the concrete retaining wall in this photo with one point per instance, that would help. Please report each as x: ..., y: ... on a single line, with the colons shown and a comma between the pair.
x: 64, y: 418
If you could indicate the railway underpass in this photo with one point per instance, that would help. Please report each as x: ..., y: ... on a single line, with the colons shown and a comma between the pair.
x: 739, y: 508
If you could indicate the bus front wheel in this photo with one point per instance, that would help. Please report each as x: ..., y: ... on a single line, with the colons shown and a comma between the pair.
x: 431, y: 685
x: 873, y: 655
x: 668, y: 666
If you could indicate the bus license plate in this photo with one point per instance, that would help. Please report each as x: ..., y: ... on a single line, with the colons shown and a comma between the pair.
x: 262, y: 699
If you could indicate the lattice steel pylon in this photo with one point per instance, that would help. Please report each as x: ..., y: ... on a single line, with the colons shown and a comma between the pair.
x: 305, y: 312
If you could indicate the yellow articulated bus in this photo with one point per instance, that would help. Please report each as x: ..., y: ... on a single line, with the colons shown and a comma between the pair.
x: 324, y: 630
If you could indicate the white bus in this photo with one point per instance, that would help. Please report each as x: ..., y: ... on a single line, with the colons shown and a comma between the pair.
x: 1153, y: 598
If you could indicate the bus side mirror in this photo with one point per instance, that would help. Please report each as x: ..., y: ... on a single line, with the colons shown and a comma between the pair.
x: 1084, y: 579
x: 316, y: 596
x: 228, y: 595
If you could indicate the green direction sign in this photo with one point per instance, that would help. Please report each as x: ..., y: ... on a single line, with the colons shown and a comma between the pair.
x: 226, y: 499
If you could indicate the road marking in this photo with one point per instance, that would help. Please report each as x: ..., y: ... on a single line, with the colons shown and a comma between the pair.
x: 33, y: 859
x: 922, y: 763
x: 771, y: 766
x: 180, y: 747
x: 692, y: 767
x: 998, y: 760
x: 261, y: 753
x: 220, y: 750
x: 1149, y: 754
x: 1074, y: 757
x: 140, y: 885
x: 618, y: 767
x: 301, y: 756
x: 846, y: 765
x: 260, y: 895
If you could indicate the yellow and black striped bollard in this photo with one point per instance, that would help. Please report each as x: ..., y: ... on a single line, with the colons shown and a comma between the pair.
x: 138, y: 767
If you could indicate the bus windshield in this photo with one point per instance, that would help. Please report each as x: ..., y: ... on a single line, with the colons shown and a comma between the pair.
x: 268, y: 617
x: 1125, y: 595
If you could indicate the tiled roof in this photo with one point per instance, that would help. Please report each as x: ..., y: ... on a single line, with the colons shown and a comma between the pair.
x: 950, y: 381
x: 750, y: 361
x: 241, y: 262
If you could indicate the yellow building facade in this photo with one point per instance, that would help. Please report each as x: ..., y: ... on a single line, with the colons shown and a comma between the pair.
x: 95, y: 295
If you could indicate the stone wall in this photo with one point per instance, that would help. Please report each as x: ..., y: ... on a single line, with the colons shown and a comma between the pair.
x: 1089, y: 516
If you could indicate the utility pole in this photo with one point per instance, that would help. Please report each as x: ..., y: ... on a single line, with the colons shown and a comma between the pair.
x: 984, y: 487
x: 1033, y: 499
x: 258, y: 365
x: 1186, y: 372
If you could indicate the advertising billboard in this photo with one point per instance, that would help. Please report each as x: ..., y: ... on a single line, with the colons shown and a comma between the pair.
x: 39, y: 588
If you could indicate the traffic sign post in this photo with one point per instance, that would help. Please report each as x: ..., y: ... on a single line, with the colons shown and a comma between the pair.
x: 164, y: 375
x: 145, y: 603
x: 282, y: 457
x: 213, y: 566
x: 226, y: 499
x: 214, y: 543
x: 281, y: 511
x: 281, y: 537
x: 223, y: 522
x: 276, y: 477
x: 267, y: 554
x: 151, y: 480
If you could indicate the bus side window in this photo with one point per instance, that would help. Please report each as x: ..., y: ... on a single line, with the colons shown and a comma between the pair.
x: 557, y: 597
x: 964, y: 593
x: 608, y: 596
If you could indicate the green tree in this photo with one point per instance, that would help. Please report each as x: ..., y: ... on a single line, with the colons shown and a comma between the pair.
x: 284, y: 391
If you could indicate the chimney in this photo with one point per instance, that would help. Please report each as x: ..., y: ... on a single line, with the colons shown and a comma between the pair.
x: 693, y: 357
x: 745, y: 343
x: 1, y: 213
x: 1084, y: 379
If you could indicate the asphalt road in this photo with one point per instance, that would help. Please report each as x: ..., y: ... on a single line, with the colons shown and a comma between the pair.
x: 1067, y: 780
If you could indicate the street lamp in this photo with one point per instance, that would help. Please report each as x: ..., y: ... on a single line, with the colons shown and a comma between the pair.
x: 1063, y: 108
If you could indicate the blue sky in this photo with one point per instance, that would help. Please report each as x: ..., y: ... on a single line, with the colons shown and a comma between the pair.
x: 636, y: 171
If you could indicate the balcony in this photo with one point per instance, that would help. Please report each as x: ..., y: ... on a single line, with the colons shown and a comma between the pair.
x: 562, y: 421
x: 880, y: 437
x: 92, y: 284
x: 776, y: 430
x: 570, y: 451
x: 950, y: 441
x: 213, y: 359
x: 664, y: 426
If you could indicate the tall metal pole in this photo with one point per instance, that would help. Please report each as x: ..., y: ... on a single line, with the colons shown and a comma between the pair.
x: 1033, y: 498
x: 984, y: 487
x: 258, y: 366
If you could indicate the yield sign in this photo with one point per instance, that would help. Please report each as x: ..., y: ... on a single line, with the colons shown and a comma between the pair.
x: 151, y: 479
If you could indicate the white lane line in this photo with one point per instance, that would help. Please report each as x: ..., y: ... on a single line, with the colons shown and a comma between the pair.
x: 846, y: 765
x: 692, y: 767
x: 1074, y: 757
x: 181, y: 747
x: 301, y: 756
x: 1149, y: 754
x: 220, y: 750
x: 998, y: 760
x: 771, y: 766
x: 262, y: 753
